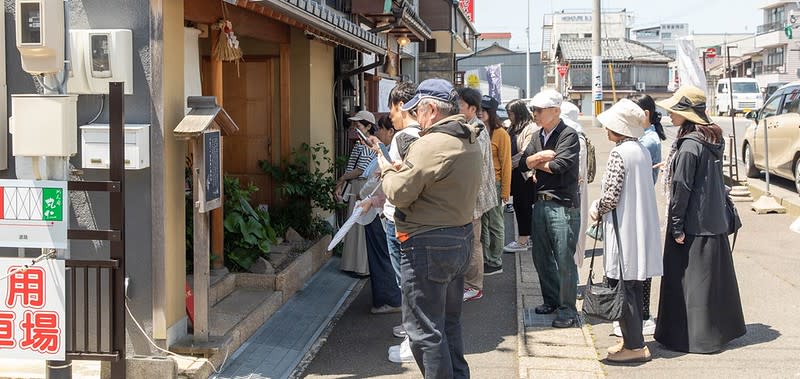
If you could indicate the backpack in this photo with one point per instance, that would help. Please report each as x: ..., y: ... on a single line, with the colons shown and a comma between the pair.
x: 591, y: 160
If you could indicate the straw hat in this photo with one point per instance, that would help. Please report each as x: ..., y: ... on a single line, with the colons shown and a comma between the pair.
x: 625, y: 118
x: 689, y: 102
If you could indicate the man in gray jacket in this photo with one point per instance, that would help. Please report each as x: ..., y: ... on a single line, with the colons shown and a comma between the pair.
x: 430, y: 188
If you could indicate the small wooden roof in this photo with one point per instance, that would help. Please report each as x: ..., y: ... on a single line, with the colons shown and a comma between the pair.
x: 204, y: 114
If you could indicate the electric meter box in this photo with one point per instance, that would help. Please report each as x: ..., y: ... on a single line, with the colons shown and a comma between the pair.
x: 44, y: 125
x: 95, y: 146
x: 100, y: 56
x: 40, y: 35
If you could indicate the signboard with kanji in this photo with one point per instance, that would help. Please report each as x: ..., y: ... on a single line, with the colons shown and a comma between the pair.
x: 32, y: 309
x: 469, y: 8
x: 34, y: 213
x: 562, y: 70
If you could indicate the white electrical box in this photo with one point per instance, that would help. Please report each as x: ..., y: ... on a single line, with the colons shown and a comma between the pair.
x: 44, y: 125
x: 100, y: 56
x: 95, y: 148
x: 40, y: 35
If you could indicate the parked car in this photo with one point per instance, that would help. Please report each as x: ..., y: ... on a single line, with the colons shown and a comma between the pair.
x: 746, y: 96
x: 771, y: 88
x: 781, y: 116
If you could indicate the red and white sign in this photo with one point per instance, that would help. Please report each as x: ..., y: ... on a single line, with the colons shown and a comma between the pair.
x: 711, y: 52
x: 562, y: 70
x: 469, y: 8
x: 32, y: 310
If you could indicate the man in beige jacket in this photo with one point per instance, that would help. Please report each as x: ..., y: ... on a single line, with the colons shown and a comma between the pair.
x: 430, y: 189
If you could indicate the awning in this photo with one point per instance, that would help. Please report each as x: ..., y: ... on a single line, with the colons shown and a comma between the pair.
x: 319, y: 19
x: 395, y: 19
x: 205, y: 112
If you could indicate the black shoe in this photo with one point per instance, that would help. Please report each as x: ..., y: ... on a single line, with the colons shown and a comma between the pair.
x: 564, y: 322
x: 544, y: 309
x: 491, y: 270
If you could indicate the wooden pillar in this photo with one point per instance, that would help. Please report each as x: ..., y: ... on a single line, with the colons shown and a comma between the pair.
x: 217, y: 215
x: 202, y: 281
x: 286, y: 104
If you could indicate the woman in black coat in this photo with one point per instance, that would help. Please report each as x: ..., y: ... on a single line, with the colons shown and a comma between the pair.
x: 700, y: 309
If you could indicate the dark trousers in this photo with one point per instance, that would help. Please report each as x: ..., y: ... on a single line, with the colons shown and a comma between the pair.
x: 522, y: 191
x: 631, y: 322
x: 554, y: 236
x: 433, y: 266
x: 381, y: 273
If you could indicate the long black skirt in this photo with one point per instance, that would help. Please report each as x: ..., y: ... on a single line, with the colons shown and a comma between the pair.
x: 700, y: 309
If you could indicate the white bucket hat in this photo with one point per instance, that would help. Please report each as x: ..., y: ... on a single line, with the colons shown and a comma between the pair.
x: 625, y: 118
x: 569, y: 114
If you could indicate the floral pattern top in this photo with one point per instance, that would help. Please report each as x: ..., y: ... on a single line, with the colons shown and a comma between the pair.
x: 613, y: 179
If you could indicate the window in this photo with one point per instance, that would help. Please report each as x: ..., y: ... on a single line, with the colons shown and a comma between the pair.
x: 587, y: 35
x: 721, y: 88
x: 745, y: 87
x: 774, y: 15
x: 774, y: 59
x: 666, y: 35
x: 771, y: 108
x: 569, y: 36
x: 792, y: 102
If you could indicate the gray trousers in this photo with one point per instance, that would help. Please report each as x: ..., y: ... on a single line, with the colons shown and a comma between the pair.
x: 631, y: 322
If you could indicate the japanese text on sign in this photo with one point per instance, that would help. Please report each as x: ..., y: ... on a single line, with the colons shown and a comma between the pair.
x: 32, y: 310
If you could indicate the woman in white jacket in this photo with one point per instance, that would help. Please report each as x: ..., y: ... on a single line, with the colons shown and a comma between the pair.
x: 628, y: 207
x: 569, y: 114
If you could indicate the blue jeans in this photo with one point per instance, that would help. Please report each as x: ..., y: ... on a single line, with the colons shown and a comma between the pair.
x: 394, y: 249
x: 433, y: 265
x: 381, y: 274
x: 554, y: 237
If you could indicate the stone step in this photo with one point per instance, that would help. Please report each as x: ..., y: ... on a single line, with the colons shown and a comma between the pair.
x: 231, y: 321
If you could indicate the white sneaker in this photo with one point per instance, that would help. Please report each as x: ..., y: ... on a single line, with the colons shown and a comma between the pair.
x: 402, y: 353
x: 472, y: 294
x: 649, y: 327
x: 617, y: 330
x: 514, y: 247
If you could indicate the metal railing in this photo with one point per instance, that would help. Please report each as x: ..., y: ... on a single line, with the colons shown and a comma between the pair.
x: 98, y: 301
x: 771, y: 27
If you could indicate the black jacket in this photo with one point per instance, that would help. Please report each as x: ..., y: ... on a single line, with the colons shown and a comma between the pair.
x: 563, y: 182
x: 697, y: 205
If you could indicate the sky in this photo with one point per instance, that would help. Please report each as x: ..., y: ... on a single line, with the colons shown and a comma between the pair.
x: 703, y: 16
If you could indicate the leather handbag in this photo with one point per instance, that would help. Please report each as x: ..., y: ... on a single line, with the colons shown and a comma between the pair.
x: 601, y: 300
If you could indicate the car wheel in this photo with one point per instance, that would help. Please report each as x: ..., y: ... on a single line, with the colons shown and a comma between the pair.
x: 750, y: 166
x: 797, y: 175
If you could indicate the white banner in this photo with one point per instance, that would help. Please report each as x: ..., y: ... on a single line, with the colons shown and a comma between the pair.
x: 690, y: 69
x: 32, y: 308
x: 597, y: 78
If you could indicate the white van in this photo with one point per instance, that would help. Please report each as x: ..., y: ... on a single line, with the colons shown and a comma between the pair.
x: 746, y: 96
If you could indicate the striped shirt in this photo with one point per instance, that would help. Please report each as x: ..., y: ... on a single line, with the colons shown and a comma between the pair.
x: 360, y: 157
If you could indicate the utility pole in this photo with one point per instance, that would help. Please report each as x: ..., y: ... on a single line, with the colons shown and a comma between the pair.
x: 597, y: 63
x: 528, y: 55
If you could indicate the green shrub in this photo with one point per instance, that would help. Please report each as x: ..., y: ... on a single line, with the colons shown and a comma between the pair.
x: 248, y: 233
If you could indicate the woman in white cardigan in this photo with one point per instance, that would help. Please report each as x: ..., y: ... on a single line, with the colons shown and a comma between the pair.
x: 628, y: 194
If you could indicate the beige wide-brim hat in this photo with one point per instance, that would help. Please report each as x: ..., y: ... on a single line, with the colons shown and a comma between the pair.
x: 689, y: 102
x: 625, y: 118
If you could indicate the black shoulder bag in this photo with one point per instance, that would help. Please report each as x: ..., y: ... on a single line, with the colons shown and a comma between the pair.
x: 601, y: 300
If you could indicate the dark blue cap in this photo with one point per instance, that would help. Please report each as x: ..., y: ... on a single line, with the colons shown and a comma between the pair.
x: 439, y: 89
x: 488, y: 102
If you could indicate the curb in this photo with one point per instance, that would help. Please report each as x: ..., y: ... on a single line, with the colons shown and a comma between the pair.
x: 553, y: 352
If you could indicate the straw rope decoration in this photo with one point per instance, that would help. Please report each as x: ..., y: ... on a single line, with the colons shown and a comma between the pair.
x: 228, y: 44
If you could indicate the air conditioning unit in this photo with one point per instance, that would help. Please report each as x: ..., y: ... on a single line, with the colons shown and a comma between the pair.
x: 640, y: 86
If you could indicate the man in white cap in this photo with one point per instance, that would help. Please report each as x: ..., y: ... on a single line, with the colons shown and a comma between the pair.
x: 553, y: 155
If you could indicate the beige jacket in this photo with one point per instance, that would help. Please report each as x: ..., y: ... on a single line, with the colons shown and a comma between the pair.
x: 437, y: 185
x: 487, y: 191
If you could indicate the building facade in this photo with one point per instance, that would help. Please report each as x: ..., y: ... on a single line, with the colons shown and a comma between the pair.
x: 512, y: 65
x: 661, y: 37
x: 574, y: 24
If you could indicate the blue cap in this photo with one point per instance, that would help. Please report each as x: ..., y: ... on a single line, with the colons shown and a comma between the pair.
x: 439, y: 89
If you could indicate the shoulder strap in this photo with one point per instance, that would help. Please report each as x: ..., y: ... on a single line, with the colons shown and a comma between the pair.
x: 619, y: 243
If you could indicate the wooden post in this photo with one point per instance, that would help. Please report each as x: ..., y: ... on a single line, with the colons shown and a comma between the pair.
x: 201, y: 246
x: 217, y: 215
x: 286, y: 104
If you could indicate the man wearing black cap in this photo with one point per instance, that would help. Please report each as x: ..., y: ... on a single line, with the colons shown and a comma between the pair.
x: 430, y: 189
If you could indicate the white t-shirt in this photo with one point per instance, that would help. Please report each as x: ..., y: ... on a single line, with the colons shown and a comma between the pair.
x: 394, y: 152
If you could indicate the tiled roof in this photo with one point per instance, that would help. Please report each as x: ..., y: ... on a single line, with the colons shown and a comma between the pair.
x: 614, y: 49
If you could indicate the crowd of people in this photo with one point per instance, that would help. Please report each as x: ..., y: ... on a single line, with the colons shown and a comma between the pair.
x: 426, y: 252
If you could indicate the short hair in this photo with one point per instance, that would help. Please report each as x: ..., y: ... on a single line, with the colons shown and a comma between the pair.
x: 385, y: 123
x: 403, y: 91
x: 471, y: 96
x: 446, y: 108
